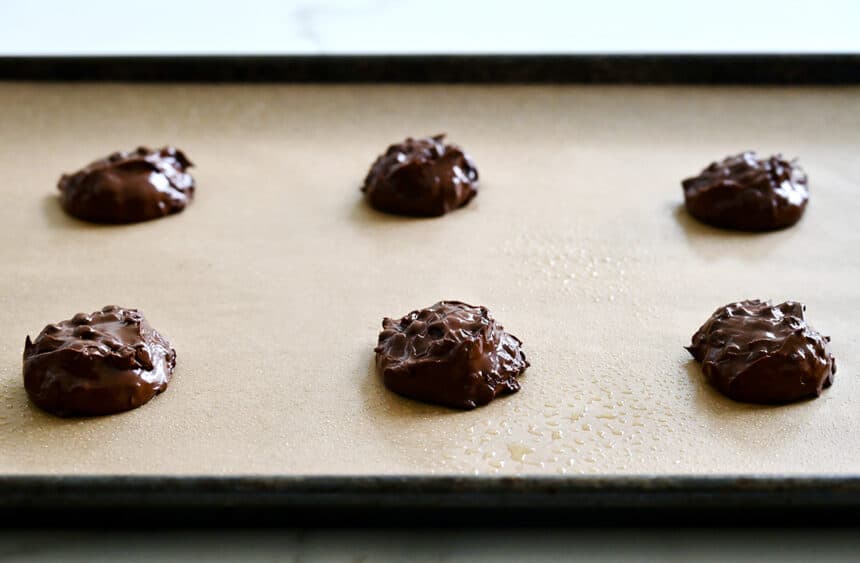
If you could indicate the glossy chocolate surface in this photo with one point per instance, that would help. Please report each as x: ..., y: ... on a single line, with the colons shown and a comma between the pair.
x: 756, y: 352
x: 451, y: 354
x: 744, y: 192
x: 421, y: 178
x: 127, y: 187
x: 106, y: 362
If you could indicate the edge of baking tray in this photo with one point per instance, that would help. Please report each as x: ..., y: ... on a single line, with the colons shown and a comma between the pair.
x: 99, y: 501
x: 836, y: 68
x: 88, y: 501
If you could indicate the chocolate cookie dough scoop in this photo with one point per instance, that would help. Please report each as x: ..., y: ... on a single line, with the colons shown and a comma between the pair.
x: 104, y: 363
x: 756, y: 352
x: 748, y: 193
x: 451, y: 354
x: 421, y: 178
x: 128, y: 187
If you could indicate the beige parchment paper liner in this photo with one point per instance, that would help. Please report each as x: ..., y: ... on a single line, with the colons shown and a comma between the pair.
x: 273, y: 283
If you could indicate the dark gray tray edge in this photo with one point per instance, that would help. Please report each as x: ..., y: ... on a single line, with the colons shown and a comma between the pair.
x: 787, y: 68
x: 428, y: 500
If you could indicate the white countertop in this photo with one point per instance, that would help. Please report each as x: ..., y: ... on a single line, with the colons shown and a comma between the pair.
x: 107, y: 27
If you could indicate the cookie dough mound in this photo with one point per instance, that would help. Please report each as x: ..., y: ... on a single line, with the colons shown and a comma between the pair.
x: 103, y: 363
x: 756, y: 352
x: 450, y: 354
x: 128, y: 187
x: 421, y: 178
x: 747, y: 193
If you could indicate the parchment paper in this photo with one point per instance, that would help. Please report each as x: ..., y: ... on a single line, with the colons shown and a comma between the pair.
x: 273, y: 283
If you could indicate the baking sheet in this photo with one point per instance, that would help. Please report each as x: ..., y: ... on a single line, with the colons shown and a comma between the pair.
x: 273, y: 283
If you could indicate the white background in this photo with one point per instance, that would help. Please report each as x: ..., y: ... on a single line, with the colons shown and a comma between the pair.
x: 91, y: 27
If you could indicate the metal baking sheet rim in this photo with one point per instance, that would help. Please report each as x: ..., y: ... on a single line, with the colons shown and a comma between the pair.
x: 438, y: 500
x: 787, y: 68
